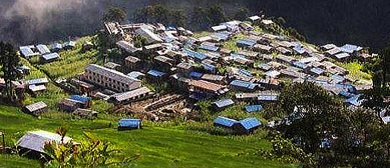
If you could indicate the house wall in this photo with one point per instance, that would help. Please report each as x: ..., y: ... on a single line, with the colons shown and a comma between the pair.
x: 110, y: 83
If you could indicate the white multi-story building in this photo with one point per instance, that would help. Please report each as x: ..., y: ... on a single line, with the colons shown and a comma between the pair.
x: 111, y: 79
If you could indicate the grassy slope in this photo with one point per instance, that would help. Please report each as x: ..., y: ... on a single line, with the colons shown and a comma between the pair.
x: 158, y: 145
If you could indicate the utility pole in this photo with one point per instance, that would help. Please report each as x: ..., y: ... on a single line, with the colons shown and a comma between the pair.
x: 2, y: 134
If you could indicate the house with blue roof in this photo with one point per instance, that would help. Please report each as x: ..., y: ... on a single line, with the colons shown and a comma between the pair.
x: 129, y: 124
x: 264, y: 67
x: 243, y: 85
x: 209, y: 68
x: 245, y: 43
x: 208, y: 47
x: 351, y: 49
x: 301, y: 65
x: 268, y: 98
x: 224, y: 122
x: 195, y: 55
x: 246, y: 126
x: 316, y: 71
x: 253, y: 108
x: 195, y: 75
x: 82, y: 100
x: 155, y: 75
x: 222, y: 104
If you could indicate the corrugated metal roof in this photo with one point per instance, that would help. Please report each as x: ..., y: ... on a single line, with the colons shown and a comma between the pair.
x: 194, y: 54
x: 268, y: 97
x: 35, y: 140
x: 111, y: 74
x: 131, y: 94
x: 79, y: 98
x: 227, y: 122
x: 132, y: 123
x: 243, y: 84
x: 196, y: 75
x: 43, y: 49
x: 156, y: 73
x: 246, y: 42
x: 36, y: 106
x: 51, y: 56
x: 224, y: 103
x: 250, y: 123
x: 253, y: 108
x: 38, y: 81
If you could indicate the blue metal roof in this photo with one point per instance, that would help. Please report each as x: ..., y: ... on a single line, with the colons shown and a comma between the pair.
x: 265, y: 67
x: 317, y: 71
x: 227, y: 122
x: 133, y: 123
x: 37, y: 81
x: 194, y: 54
x: 156, y: 73
x: 208, y: 47
x: 209, y: 67
x: 267, y: 97
x: 250, y: 123
x: 300, y: 65
x: 246, y: 42
x: 196, y: 75
x: 299, y: 49
x: 354, y: 100
x: 253, y: 108
x: 244, y: 72
x: 135, y: 74
x: 79, y: 98
x: 224, y: 103
x: 346, y: 94
x: 221, y: 35
x: 243, y: 84
x: 349, y: 48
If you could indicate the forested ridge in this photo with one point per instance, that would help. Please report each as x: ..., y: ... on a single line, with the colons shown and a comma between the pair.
x: 363, y: 22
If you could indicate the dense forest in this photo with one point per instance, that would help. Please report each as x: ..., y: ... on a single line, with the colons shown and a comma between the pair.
x: 349, y: 21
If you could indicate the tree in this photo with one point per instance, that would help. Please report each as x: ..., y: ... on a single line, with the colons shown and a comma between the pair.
x: 91, y: 152
x: 314, y: 115
x: 8, y: 62
x: 242, y: 14
x: 216, y: 15
x: 199, y: 18
x: 114, y: 14
x: 177, y: 17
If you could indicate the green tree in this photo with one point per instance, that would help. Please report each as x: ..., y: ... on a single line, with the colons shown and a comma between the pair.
x: 177, y: 17
x: 114, y: 14
x: 199, y: 18
x: 8, y: 62
x: 216, y: 15
x: 242, y: 14
x: 91, y: 152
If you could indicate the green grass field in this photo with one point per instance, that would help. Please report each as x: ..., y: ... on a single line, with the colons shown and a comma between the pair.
x: 158, y: 145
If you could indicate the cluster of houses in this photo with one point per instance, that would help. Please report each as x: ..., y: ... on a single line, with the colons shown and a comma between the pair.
x: 42, y: 51
x: 192, y: 65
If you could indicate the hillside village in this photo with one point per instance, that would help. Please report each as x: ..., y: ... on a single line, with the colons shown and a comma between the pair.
x: 176, y: 70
